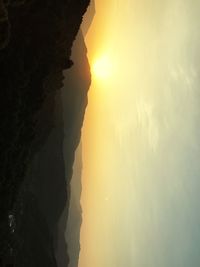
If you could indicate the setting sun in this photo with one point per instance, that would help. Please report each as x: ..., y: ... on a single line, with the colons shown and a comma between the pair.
x: 102, y: 67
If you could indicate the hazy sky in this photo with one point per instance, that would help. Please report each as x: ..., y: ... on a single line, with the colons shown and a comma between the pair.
x: 141, y: 147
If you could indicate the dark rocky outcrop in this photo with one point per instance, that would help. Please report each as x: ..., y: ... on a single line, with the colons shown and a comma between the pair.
x: 35, y: 46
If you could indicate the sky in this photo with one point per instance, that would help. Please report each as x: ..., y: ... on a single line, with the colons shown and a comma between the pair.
x: 141, y: 148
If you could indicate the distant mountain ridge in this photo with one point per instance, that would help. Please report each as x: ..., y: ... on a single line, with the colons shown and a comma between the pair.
x: 78, y: 78
x: 88, y: 18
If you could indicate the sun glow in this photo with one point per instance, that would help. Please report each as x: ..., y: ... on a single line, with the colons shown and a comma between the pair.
x: 102, y: 67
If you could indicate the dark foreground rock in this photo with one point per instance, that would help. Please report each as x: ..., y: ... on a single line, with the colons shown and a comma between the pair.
x: 35, y: 47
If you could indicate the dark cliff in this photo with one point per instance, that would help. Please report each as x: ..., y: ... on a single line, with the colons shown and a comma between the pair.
x: 35, y: 47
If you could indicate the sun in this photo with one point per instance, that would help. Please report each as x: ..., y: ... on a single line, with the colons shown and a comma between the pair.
x: 102, y: 67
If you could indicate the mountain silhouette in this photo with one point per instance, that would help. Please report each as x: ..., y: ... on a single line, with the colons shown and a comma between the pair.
x: 88, y: 18
x: 78, y: 80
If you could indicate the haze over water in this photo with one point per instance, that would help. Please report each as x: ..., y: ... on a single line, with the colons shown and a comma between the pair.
x: 141, y: 148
